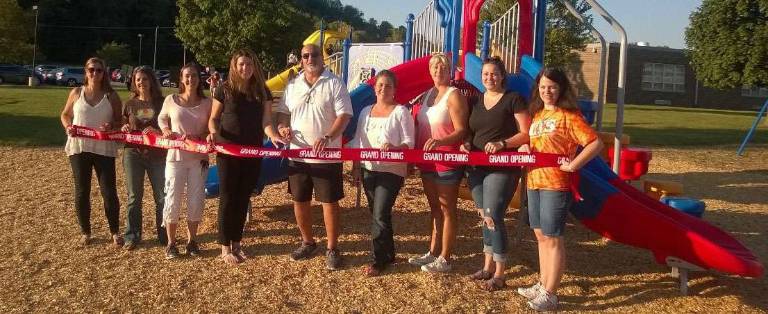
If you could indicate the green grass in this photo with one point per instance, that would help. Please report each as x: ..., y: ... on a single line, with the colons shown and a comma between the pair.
x: 649, y: 125
x: 30, y: 117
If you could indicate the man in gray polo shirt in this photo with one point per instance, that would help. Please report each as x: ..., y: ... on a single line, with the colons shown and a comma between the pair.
x: 313, y: 113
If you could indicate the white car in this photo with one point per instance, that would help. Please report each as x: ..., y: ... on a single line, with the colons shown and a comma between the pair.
x: 70, y: 76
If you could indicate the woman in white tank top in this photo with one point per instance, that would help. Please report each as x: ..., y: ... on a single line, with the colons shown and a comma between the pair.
x: 95, y: 105
x: 442, y: 124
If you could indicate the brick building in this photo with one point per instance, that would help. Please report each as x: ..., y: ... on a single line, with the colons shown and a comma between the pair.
x: 658, y: 75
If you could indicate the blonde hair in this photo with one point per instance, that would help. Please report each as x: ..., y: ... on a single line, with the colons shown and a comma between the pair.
x: 105, y: 84
x: 439, y: 57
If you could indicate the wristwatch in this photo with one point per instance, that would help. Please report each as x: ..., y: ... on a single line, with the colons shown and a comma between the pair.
x: 327, y: 138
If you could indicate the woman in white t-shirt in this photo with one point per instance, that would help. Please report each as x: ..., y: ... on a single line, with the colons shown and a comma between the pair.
x: 385, y: 125
x: 185, y: 116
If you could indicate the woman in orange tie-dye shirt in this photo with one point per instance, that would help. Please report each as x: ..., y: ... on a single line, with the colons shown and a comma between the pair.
x: 557, y: 128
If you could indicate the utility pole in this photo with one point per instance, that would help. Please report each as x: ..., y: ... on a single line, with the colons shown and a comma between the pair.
x: 34, y: 47
x: 154, y: 57
x: 140, y: 37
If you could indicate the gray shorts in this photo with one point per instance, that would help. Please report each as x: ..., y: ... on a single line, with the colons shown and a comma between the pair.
x: 547, y: 210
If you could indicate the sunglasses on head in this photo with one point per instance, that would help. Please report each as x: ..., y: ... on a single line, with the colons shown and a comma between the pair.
x: 307, y: 55
x: 95, y: 70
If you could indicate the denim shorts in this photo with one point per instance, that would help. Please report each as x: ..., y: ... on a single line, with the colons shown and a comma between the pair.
x: 547, y: 210
x: 449, y: 177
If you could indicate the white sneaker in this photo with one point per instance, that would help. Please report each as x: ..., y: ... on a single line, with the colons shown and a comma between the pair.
x: 545, y: 301
x: 440, y: 265
x: 531, y: 292
x: 422, y: 260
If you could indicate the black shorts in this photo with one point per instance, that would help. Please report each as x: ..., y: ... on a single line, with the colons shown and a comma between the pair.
x: 325, y: 179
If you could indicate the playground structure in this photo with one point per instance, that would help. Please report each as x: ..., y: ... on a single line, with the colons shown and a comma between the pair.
x: 610, y: 206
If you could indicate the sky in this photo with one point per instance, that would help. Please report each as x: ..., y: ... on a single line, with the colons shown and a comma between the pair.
x: 658, y: 22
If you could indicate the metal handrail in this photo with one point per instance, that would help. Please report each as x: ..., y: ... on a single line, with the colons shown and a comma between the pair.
x: 504, y: 33
x: 428, y: 36
x: 620, y: 87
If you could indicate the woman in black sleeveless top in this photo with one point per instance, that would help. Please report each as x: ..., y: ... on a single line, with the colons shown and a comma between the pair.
x: 242, y: 111
x: 499, y: 121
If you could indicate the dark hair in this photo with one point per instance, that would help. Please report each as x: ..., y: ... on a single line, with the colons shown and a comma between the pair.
x: 196, y: 69
x: 495, y: 60
x: 388, y: 74
x: 567, y: 98
x: 253, y: 87
x: 155, y: 93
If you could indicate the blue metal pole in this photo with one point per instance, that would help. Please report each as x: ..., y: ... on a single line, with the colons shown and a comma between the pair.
x: 751, y: 132
x: 455, y: 35
x: 540, y: 29
x: 486, y: 45
x: 408, y: 38
x: 345, y: 63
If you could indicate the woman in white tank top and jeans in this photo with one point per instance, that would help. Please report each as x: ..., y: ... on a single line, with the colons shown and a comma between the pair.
x: 441, y: 126
x: 95, y: 105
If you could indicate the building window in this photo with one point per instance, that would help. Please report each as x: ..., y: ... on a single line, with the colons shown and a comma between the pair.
x: 748, y: 91
x: 663, y: 77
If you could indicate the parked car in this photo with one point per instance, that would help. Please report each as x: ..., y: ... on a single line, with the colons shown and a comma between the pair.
x: 42, y: 69
x: 117, y: 75
x: 70, y: 76
x: 12, y: 73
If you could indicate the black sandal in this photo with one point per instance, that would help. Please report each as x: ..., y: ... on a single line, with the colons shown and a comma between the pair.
x: 481, y: 275
x: 494, y: 284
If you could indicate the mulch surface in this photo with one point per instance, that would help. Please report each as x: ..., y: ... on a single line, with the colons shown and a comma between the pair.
x: 44, y: 269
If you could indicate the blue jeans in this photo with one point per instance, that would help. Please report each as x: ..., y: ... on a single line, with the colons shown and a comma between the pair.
x: 381, y: 189
x: 548, y: 210
x: 136, y: 164
x: 492, y: 191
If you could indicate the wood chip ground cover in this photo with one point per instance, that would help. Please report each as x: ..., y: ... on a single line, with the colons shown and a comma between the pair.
x: 43, y: 269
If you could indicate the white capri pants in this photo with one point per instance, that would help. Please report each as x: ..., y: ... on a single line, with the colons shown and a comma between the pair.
x: 178, y: 174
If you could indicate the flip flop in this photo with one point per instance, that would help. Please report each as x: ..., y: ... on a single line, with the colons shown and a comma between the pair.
x: 230, y: 259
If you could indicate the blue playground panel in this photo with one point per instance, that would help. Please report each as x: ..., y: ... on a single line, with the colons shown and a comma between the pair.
x: 687, y: 205
x: 588, y: 110
x: 273, y: 170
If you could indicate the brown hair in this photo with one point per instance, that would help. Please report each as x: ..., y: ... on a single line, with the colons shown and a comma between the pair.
x: 254, y: 87
x: 496, y: 61
x: 388, y: 74
x: 105, y: 84
x: 196, y: 69
x: 565, y: 100
x: 155, y: 92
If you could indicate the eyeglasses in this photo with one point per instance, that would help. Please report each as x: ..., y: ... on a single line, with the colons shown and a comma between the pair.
x: 306, y: 56
x: 95, y: 70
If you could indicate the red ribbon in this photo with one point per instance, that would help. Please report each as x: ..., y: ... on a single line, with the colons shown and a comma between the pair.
x: 503, y: 159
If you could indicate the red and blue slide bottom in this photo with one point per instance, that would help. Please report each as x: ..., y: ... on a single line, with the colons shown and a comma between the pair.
x: 618, y: 211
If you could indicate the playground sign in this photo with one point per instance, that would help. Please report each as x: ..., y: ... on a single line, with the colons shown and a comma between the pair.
x: 365, y: 60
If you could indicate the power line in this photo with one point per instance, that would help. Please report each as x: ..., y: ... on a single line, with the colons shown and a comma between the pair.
x: 104, y: 27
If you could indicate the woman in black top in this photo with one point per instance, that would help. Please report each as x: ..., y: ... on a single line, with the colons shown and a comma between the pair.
x: 499, y: 121
x: 241, y: 114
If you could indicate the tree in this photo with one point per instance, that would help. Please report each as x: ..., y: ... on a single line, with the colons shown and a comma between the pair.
x: 212, y: 30
x: 15, y: 31
x: 564, y: 33
x: 114, y: 54
x: 728, y: 43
